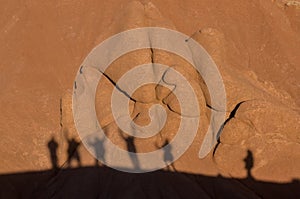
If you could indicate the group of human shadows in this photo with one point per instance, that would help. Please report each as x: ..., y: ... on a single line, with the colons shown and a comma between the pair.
x: 98, y: 145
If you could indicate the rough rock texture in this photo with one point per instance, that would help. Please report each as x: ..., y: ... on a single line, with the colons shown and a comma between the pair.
x: 255, y: 45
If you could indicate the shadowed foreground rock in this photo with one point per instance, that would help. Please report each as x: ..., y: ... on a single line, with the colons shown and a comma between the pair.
x: 103, y: 182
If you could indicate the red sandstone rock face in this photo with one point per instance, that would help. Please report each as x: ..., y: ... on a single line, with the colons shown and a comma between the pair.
x: 255, y: 45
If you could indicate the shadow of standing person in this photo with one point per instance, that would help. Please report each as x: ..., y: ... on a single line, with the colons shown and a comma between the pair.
x: 52, y: 146
x: 73, y: 152
x: 132, y: 149
x: 249, y: 164
x: 98, y: 145
x: 168, y: 156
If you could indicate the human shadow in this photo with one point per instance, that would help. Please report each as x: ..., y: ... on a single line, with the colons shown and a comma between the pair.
x: 73, y: 153
x: 52, y: 146
x: 168, y: 156
x: 249, y: 162
x: 98, y: 146
x: 131, y: 148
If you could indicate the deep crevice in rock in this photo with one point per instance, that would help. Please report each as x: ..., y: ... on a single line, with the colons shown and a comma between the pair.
x: 231, y: 115
x: 117, y: 87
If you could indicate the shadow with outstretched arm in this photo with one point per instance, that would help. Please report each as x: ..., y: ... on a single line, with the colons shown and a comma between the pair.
x: 73, y: 153
x: 72, y: 150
